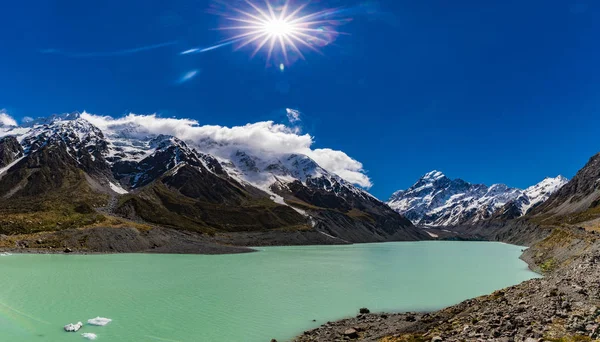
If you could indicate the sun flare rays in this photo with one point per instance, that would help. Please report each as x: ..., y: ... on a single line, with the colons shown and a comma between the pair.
x: 284, y: 32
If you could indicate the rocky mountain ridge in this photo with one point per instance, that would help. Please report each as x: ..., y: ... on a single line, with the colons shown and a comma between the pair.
x: 59, y: 169
x: 436, y: 200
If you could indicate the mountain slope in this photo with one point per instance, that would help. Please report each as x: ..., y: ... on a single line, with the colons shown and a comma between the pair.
x: 46, y: 189
x: 578, y: 202
x: 10, y: 151
x: 436, y: 200
x: 63, y: 172
x: 531, y: 197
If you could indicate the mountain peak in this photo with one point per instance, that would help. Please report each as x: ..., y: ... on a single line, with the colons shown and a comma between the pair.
x: 433, y: 175
x: 557, y: 181
x: 54, y: 118
x: 163, y: 140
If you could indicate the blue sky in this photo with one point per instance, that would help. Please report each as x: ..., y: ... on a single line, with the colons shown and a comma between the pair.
x: 488, y: 91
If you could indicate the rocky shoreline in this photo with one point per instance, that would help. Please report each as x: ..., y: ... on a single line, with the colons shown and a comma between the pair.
x: 107, y: 240
x: 154, y: 239
x: 562, y: 306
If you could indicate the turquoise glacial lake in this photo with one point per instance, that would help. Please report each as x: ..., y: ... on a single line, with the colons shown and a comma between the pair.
x: 274, y: 293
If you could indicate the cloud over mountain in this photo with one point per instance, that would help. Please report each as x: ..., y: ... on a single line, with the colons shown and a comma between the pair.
x: 265, y: 137
x: 6, y: 120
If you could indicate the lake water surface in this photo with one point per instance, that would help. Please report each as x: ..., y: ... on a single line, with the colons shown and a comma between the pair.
x: 275, y: 293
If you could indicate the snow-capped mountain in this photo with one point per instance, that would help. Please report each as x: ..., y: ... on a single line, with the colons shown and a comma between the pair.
x: 532, y: 197
x: 168, y: 181
x: 436, y: 200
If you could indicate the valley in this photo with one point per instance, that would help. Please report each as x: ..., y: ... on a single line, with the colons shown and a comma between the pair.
x: 69, y: 187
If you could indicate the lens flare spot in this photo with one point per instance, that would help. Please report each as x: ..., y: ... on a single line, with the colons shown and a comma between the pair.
x: 187, y: 76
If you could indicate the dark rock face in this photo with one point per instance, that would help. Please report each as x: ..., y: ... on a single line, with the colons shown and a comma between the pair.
x: 334, y: 208
x: 10, y: 150
x: 44, y: 170
x: 509, y: 211
x: 200, y: 184
x: 579, y: 194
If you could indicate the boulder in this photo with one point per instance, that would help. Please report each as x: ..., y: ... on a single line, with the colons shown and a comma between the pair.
x: 364, y: 311
x: 351, y: 333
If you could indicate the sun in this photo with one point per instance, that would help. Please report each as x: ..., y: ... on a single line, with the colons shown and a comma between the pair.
x: 278, y: 28
x: 281, y: 31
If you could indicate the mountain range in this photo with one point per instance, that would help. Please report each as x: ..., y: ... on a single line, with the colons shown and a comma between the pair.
x: 436, y: 200
x: 63, y: 172
x: 65, y: 182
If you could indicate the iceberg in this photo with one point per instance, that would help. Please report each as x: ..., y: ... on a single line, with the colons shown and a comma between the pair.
x: 73, y: 327
x: 89, y: 336
x: 100, y: 321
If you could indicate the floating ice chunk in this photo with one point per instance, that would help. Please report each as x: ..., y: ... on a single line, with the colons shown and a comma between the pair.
x: 73, y: 327
x: 101, y: 321
x: 90, y: 336
x: 5, y: 254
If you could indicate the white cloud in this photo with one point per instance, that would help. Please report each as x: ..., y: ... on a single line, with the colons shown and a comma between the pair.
x: 6, y: 120
x: 258, y: 138
x: 27, y: 119
x: 293, y: 115
x: 341, y: 164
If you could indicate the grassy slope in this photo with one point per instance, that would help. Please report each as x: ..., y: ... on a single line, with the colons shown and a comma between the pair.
x: 161, y: 205
x: 69, y: 203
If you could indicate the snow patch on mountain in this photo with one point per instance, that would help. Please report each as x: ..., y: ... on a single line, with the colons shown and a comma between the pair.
x: 7, y: 167
x: 117, y: 188
x: 539, y: 193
